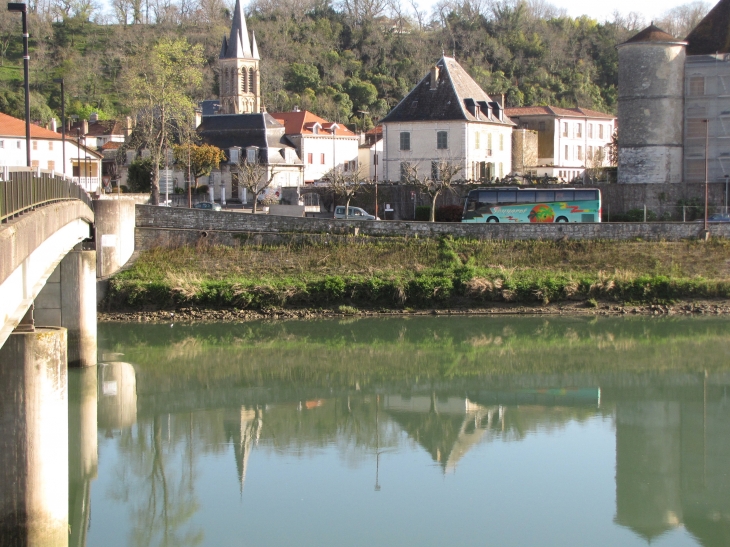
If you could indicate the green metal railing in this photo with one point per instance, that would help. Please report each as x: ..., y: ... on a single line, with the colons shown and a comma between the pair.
x: 23, y: 191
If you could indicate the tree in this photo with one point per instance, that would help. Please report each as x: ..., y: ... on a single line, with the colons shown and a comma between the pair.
x: 202, y: 159
x: 441, y: 178
x: 345, y: 184
x: 139, y: 175
x: 254, y: 177
x: 160, y: 85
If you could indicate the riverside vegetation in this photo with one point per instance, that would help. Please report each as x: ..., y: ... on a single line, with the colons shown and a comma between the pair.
x: 361, y: 274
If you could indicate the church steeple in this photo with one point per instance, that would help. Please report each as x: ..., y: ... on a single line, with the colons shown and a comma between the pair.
x: 239, y: 69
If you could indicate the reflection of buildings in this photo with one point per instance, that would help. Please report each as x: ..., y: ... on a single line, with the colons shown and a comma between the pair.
x: 672, y: 461
x: 242, y: 428
x: 117, y: 396
x: 447, y: 428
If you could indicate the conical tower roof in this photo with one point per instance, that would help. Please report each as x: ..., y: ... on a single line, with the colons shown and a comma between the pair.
x: 712, y: 34
x: 239, y: 46
x: 653, y: 34
x: 254, y: 47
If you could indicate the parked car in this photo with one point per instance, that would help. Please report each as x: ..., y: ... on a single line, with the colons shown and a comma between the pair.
x: 354, y: 213
x: 719, y: 217
x: 207, y: 205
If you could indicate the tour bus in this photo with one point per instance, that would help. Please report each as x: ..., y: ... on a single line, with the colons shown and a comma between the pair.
x: 513, y: 204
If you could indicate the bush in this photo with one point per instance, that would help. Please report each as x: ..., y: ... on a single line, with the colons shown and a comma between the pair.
x: 202, y: 189
x: 423, y: 212
x: 139, y: 175
x: 179, y: 190
x: 449, y: 213
x: 634, y: 215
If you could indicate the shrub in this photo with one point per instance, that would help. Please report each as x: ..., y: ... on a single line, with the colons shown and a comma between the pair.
x: 449, y: 213
x: 202, y: 189
x: 634, y: 215
x: 423, y: 212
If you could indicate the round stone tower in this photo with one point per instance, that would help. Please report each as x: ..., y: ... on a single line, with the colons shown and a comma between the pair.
x: 650, y: 107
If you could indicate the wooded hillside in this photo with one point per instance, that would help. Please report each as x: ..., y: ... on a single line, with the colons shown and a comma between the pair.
x: 349, y: 61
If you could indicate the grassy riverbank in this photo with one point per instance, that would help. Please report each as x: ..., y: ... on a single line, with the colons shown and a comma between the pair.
x: 387, y: 274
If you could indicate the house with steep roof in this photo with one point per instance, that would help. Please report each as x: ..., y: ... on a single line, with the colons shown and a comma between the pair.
x: 47, y: 152
x: 569, y: 140
x: 321, y: 145
x: 447, y: 118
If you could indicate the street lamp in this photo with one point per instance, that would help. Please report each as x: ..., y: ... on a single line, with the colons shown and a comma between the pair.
x: 707, y: 190
x: 23, y: 8
x: 63, y: 122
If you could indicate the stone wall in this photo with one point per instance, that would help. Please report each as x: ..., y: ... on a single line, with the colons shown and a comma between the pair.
x: 169, y: 227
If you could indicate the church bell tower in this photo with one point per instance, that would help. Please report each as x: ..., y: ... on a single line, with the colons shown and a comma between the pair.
x: 239, y: 69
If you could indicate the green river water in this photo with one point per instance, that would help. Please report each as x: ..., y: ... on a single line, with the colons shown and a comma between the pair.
x: 488, y: 431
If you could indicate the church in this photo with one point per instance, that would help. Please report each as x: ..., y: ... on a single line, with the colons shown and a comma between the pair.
x: 674, y: 104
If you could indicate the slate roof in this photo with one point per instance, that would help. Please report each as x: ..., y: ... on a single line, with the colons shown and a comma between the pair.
x: 302, y: 123
x: 556, y: 111
x: 712, y: 34
x: 447, y: 102
x: 243, y: 130
x: 652, y: 33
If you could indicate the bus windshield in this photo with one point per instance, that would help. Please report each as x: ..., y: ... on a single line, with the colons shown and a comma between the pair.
x: 533, y: 205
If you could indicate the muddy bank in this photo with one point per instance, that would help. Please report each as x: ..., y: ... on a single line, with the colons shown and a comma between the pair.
x: 198, y: 314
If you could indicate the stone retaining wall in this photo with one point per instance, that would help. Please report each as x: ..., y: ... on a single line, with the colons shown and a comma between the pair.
x: 165, y: 226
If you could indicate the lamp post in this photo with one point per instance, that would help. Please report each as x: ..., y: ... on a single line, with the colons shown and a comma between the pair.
x: 63, y: 122
x: 707, y: 189
x: 78, y: 153
x: 23, y: 9
x: 726, y: 181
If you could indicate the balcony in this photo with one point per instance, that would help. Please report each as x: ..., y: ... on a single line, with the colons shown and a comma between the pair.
x: 90, y: 184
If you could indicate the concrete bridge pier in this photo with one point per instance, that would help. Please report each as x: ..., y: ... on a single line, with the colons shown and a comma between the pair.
x: 69, y: 300
x: 34, y: 439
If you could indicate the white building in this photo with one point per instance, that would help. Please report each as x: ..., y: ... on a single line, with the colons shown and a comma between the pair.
x: 569, y: 140
x: 46, y: 152
x: 447, y: 117
x: 321, y: 145
x: 370, y: 153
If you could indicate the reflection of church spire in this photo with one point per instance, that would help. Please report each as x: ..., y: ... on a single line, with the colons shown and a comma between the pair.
x: 243, y: 431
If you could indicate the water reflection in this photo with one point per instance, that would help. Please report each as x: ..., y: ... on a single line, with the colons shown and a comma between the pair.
x: 197, y: 404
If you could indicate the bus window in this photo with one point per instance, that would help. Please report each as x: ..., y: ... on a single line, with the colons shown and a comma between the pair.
x: 544, y: 196
x: 471, y: 202
x: 564, y: 195
x: 526, y: 196
x: 585, y: 195
x: 510, y: 196
x: 488, y: 198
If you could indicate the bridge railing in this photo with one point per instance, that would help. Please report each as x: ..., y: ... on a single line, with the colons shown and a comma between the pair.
x: 24, y: 190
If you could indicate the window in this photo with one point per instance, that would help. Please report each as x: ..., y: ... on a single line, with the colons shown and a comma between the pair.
x: 579, y: 130
x: 501, y: 170
x: 405, y: 140
x: 580, y: 152
x: 526, y: 196
x: 566, y: 152
x: 585, y: 195
x: 18, y: 144
x: 509, y: 196
x: 310, y: 158
x: 697, y: 85
x: 51, y: 165
x: 541, y: 126
x: 695, y: 170
x: 34, y: 164
x: 501, y: 142
x: 564, y: 195
x: 589, y: 153
x: 487, y: 198
x: 565, y: 129
x: 233, y: 153
x: 489, y: 144
x: 476, y: 140
x: 695, y: 128
x: 442, y: 140
x: 2, y: 144
x: 50, y: 146
x: 590, y: 130
x: 545, y: 196
x: 600, y: 131
x: 251, y: 155
x: 35, y: 145
x: 321, y: 158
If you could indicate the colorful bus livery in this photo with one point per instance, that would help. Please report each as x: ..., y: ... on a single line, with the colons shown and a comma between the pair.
x: 533, y: 205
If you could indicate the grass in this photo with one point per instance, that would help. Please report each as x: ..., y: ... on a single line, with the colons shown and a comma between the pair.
x: 396, y: 273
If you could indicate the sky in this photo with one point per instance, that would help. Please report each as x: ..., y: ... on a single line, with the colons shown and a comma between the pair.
x: 601, y: 11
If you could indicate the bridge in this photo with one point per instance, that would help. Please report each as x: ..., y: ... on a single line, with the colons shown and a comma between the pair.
x: 54, y: 243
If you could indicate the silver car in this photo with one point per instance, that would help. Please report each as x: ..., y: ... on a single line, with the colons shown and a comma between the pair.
x: 207, y: 205
x: 353, y: 213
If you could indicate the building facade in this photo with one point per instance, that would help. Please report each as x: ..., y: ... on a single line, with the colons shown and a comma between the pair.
x: 447, y: 118
x: 321, y: 145
x: 569, y: 140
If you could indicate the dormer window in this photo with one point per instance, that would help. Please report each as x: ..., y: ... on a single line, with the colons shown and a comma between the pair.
x: 233, y: 153
x: 252, y: 154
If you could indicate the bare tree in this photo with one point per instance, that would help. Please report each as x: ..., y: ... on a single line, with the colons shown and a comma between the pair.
x: 441, y: 178
x: 255, y: 177
x: 680, y: 20
x: 346, y: 184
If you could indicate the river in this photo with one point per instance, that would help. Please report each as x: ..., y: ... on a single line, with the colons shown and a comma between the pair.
x: 489, y: 431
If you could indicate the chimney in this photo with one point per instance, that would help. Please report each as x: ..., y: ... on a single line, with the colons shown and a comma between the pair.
x: 198, y: 117
x: 94, y: 117
x: 295, y: 109
x: 54, y: 127
x: 434, y: 78
x: 85, y: 127
x: 127, y: 127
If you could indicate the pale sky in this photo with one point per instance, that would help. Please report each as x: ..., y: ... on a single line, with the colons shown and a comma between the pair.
x: 650, y: 9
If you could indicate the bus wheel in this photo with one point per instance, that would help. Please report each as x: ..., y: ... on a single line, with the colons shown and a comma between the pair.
x: 561, y: 219
x: 492, y: 219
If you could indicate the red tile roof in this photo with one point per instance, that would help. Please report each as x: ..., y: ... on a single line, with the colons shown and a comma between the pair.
x: 652, y: 33
x: 556, y: 111
x: 100, y: 128
x: 302, y: 123
x: 13, y: 127
x: 111, y: 145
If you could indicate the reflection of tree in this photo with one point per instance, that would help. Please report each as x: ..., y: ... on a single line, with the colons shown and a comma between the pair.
x: 159, y: 490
